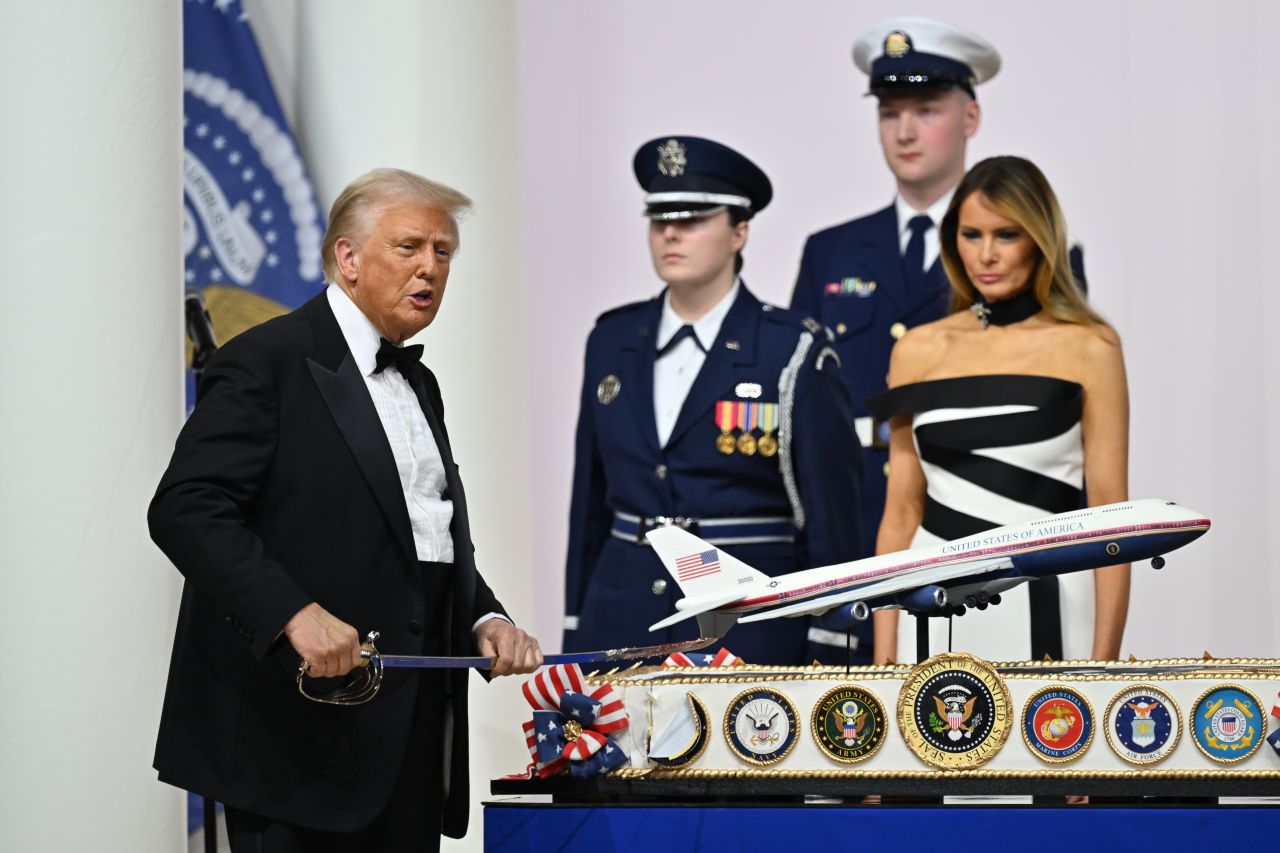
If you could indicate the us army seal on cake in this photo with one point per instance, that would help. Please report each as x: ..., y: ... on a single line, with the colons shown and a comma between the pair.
x: 1057, y: 724
x: 1143, y: 724
x: 761, y: 726
x: 954, y: 711
x: 848, y: 723
x: 1227, y: 723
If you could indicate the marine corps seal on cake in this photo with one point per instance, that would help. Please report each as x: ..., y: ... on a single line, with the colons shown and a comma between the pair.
x: 848, y: 723
x: 761, y: 726
x: 954, y: 711
x: 1057, y: 724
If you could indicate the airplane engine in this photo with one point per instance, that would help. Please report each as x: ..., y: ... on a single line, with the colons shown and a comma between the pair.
x: 923, y: 600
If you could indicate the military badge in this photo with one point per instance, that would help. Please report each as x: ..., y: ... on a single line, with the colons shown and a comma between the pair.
x: 1227, y: 724
x: 761, y: 726
x: 848, y: 724
x: 954, y: 711
x: 608, y: 389
x: 897, y: 44
x: 726, y: 417
x: 748, y: 390
x: 685, y: 738
x: 672, y: 158
x: 852, y: 286
x: 1057, y: 724
x: 768, y: 444
x: 748, y: 415
x: 1143, y: 724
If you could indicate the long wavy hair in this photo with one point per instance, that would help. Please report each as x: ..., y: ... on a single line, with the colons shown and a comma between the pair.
x: 1016, y: 189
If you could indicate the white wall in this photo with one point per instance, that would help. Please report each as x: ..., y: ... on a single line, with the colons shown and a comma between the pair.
x: 1153, y: 120
x: 90, y: 348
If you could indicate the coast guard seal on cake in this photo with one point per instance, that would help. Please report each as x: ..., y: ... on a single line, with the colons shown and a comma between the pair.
x: 761, y: 726
x: 1143, y: 724
x: 1057, y: 724
x: 848, y: 723
x: 1227, y: 724
x: 954, y: 711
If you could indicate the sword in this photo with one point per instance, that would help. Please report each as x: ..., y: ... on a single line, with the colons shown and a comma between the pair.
x: 480, y: 662
x: 366, y: 680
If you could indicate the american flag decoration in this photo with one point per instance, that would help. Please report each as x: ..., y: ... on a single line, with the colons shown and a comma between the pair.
x: 571, y: 724
x: 697, y: 565
x: 724, y: 657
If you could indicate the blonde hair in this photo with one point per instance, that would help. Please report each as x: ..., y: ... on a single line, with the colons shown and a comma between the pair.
x: 1017, y: 190
x: 350, y: 215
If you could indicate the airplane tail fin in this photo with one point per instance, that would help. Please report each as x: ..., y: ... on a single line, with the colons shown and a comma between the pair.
x: 709, y: 578
x: 700, y: 568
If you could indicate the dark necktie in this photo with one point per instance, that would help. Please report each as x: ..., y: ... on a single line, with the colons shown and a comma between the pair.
x: 685, y: 331
x: 913, y: 260
x: 401, y: 358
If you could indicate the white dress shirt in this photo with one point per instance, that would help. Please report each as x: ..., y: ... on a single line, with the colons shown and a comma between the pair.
x: 932, y: 242
x: 674, y: 372
x: 414, y: 447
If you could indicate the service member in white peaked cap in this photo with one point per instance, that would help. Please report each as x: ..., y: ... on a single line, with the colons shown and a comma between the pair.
x: 871, y: 279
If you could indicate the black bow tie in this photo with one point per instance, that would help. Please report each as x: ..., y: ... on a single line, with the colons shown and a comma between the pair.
x: 401, y: 358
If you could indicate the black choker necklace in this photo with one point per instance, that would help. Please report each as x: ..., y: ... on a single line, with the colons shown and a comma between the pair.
x: 1009, y: 311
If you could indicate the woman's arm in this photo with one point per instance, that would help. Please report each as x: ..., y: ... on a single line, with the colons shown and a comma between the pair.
x: 1105, y: 427
x: 904, y: 496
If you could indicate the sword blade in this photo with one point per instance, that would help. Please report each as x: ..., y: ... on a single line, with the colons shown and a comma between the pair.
x: 600, y: 656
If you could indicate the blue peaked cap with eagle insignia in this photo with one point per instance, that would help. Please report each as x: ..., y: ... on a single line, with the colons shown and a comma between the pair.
x: 686, y: 177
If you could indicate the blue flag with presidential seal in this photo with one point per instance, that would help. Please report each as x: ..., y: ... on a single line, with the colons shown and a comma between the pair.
x: 251, y: 229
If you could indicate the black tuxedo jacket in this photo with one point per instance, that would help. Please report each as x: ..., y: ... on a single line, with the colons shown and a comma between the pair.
x: 283, y: 490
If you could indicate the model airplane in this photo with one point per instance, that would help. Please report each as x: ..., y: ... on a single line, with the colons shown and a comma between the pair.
x: 720, y: 590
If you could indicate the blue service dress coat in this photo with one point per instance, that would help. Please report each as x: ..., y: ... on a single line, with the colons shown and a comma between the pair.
x: 803, y: 500
x: 852, y: 281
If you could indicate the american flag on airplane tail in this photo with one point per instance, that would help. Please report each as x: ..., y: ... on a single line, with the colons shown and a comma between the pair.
x: 697, y: 565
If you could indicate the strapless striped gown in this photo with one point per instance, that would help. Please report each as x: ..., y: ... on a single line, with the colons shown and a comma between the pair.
x: 995, y: 450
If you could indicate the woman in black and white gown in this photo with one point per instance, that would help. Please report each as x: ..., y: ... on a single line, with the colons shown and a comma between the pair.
x: 1000, y: 413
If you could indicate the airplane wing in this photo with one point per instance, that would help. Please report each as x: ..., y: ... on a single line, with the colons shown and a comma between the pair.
x: 902, y: 583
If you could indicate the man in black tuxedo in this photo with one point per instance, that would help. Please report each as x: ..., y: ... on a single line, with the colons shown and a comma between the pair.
x: 313, y: 492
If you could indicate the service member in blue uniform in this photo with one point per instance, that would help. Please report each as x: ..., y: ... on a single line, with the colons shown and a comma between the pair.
x: 706, y: 408
x: 871, y: 279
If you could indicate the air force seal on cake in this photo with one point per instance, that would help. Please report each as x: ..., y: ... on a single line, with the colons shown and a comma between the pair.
x: 1057, y: 724
x: 1227, y: 724
x: 761, y: 726
x: 848, y: 723
x: 954, y: 711
x: 1143, y: 724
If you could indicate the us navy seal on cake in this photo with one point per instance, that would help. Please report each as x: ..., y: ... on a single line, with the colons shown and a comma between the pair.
x: 1227, y: 723
x: 848, y: 724
x: 761, y: 726
x: 954, y: 711
x: 1057, y: 724
x: 1143, y: 724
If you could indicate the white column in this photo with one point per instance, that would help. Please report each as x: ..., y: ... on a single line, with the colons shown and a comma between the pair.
x: 431, y: 87
x: 90, y: 372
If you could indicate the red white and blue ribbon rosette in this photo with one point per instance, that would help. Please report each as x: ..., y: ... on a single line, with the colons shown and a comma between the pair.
x: 724, y: 657
x: 572, y: 725
x: 1274, y: 737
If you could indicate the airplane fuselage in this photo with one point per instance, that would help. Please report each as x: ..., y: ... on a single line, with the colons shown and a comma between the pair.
x: 1075, y: 541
